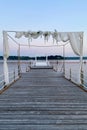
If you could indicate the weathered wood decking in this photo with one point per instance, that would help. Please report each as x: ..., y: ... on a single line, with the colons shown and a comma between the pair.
x: 43, y: 100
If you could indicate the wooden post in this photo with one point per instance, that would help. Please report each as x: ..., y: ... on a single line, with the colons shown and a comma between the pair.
x: 70, y: 74
x: 81, y: 60
x: 19, y: 68
x: 81, y: 70
x: 35, y: 61
x: 82, y: 77
x: 64, y: 59
x: 46, y: 60
x: 14, y: 74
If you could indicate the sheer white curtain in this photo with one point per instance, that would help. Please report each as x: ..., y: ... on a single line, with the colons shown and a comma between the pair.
x: 5, y: 55
x: 76, y: 42
x: 5, y: 45
x: 18, y: 34
x: 73, y: 37
x: 63, y: 36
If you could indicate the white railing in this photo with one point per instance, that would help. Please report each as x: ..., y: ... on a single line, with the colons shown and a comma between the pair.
x: 80, y: 78
x: 13, y: 76
x: 58, y: 67
x: 84, y: 79
x: 2, y: 82
x: 25, y: 69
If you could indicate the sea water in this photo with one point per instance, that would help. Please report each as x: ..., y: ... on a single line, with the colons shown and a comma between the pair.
x: 70, y: 65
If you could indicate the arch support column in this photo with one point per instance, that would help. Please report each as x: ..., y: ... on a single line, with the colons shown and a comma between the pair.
x: 5, y: 56
x: 6, y: 73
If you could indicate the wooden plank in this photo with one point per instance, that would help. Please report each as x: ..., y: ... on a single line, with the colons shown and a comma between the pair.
x: 43, y: 100
x: 43, y: 127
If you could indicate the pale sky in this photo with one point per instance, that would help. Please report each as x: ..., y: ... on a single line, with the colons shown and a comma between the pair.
x: 45, y: 15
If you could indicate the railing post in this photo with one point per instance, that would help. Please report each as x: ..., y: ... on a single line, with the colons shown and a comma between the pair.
x: 14, y: 75
x: 81, y: 71
x: 81, y: 77
x: 19, y: 61
x: 26, y: 69
x: 64, y: 60
x: 70, y: 74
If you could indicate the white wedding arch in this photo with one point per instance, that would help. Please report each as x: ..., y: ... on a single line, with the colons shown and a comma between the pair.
x: 74, y: 38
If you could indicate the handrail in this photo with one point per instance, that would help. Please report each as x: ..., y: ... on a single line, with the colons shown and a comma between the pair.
x: 2, y: 82
x: 58, y: 67
x: 71, y: 75
x: 13, y: 75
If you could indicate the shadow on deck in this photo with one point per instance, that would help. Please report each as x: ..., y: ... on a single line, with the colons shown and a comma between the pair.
x: 43, y: 100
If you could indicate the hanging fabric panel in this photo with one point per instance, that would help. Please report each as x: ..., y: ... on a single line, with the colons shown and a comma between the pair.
x: 18, y: 34
x: 64, y: 36
x: 76, y: 38
x: 76, y: 43
x: 5, y: 45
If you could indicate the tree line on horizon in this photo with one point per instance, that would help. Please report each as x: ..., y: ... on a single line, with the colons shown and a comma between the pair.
x: 33, y: 58
x: 51, y: 57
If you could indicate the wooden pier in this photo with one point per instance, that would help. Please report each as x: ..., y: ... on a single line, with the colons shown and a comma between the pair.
x: 43, y: 99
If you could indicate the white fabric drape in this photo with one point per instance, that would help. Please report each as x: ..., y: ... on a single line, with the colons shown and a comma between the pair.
x: 73, y: 37
x: 18, y: 34
x: 5, y: 55
x: 6, y: 74
x: 76, y: 42
x: 55, y: 36
x: 46, y: 36
x: 64, y: 36
x: 5, y: 45
x: 35, y: 35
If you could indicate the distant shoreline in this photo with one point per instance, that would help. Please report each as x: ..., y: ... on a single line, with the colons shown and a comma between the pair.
x: 56, y: 57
